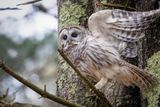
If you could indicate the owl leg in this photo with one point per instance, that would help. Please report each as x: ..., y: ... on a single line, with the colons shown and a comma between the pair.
x: 101, y: 83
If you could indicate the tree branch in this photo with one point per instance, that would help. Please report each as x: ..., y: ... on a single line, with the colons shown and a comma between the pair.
x: 97, y: 92
x: 126, y: 4
x: 43, y: 93
x: 30, y: 2
x: 9, y: 8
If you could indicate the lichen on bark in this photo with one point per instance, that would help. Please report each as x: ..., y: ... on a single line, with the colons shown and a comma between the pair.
x: 69, y: 85
x: 70, y: 13
x: 153, y: 95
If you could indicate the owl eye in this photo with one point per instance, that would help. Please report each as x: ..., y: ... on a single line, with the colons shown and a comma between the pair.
x: 74, y: 35
x: 64, y: 37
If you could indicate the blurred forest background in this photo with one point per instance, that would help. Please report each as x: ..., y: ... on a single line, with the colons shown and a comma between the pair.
x: 28, y: 36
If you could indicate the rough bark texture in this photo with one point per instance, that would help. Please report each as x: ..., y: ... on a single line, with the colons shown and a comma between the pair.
x: 147, y: 47
x: 69, y: 84
x: 119, y: 95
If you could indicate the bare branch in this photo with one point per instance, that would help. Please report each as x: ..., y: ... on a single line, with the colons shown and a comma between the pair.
x: 30, y: 2
x: 97, y: 92
x: 43, y: 93
x: 9, y: 8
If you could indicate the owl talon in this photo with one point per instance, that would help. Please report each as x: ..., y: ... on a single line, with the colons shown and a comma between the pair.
x: 98, y: 86
x: 101, y: 83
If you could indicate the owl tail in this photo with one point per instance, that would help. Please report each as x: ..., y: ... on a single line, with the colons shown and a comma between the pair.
x: 136, y: 76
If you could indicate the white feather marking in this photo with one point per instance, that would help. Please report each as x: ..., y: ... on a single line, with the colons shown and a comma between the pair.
x: 111, y: 20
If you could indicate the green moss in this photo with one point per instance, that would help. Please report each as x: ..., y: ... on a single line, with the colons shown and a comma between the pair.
x: 154, y: 68
x: 71, y: 13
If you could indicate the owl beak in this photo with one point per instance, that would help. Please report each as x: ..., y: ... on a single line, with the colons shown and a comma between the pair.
x: 69, y: 43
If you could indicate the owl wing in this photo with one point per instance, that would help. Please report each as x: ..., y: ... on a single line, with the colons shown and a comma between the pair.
x: 104, y: 61
x: 124, y: 25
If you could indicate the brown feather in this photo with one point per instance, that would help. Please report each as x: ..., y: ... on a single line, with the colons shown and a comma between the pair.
x: 136, y: 76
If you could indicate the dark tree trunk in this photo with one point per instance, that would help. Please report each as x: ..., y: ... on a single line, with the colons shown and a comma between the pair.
x: 119, y: 95
x: 70, y: 86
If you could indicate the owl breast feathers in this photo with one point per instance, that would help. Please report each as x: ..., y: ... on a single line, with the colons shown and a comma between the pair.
x: 97, y: 52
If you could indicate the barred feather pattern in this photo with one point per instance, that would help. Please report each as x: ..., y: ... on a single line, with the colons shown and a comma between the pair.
x: 122, y: 26
x: 100, y: 59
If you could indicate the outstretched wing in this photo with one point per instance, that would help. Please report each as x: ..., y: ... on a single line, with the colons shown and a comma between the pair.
x: 124, y: 25
x: 101, y: 60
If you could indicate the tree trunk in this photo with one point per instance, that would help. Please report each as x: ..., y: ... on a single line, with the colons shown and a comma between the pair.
x: 70, y: 86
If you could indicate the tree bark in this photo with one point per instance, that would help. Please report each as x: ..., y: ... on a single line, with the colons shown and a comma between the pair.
x: 70, y: 86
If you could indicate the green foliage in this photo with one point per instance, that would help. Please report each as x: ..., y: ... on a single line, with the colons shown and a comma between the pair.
x: 153, y: 67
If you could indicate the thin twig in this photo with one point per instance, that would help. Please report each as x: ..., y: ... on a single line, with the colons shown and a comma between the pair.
x: 97, y: 92
x: 43, y: 93
x: 30, y: 2
x: 126, y: 4
x: 9, y: 8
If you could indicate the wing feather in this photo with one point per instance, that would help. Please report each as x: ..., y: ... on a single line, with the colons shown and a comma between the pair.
x: 122, y: 24
x: 137, y: 76
x: 101, y: 58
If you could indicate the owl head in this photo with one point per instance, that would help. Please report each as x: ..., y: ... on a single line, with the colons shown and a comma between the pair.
x: 71, y: 36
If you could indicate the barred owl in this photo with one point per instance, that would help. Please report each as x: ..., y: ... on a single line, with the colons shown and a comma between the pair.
x: 96, y: 52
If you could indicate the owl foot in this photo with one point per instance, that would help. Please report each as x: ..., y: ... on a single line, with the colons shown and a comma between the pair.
x: 101, y: 83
